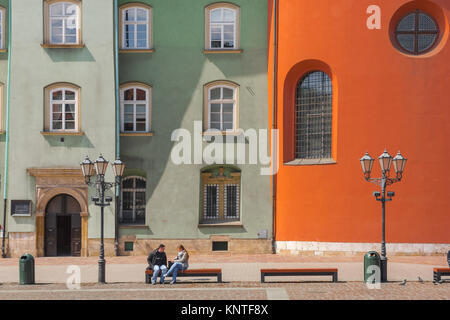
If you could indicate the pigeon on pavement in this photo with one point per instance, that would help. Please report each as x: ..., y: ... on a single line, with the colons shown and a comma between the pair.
x: 420, y: 279
x: 403, y: 282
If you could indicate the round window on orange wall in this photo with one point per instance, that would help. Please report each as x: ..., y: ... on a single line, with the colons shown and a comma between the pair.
x: 417, y: 32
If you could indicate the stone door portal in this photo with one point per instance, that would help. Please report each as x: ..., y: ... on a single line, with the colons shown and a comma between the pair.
x: 63, y: 227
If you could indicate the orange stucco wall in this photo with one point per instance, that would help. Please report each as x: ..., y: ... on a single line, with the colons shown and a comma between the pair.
x: 382, y: 99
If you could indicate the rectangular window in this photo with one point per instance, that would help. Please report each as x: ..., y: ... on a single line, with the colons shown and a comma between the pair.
x: 220, y: 195
x: 62, y: 19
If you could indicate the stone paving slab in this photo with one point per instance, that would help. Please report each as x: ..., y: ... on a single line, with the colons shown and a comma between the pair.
x: 116, y: 273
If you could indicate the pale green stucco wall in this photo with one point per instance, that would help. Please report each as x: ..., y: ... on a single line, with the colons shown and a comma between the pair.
x: 33, y: 68
x: 177, y: 71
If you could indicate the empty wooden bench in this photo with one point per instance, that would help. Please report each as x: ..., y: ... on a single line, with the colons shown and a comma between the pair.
x: 299, y: 272
x: 438, y: 272
x: 190, y: 273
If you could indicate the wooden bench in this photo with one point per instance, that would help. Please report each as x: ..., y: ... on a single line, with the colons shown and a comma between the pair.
x: 190, y: 273
x: 438, y: 272
x: 299, y: 272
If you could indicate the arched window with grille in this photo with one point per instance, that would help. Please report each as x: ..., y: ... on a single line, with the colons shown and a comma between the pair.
x: 313, y: 116
x: 133, y: 201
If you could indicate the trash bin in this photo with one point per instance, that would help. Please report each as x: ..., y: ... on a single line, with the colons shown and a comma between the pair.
x: 26, y: 269
x: 371, y: 258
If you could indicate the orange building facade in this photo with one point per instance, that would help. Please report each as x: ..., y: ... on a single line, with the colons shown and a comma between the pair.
x: 352, y: 76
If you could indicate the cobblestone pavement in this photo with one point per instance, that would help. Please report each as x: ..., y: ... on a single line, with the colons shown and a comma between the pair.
x: 228, y: 258
x: 231, y: 291
x: 234, y: 268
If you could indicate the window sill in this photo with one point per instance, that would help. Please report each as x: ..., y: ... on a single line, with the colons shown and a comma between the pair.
x: 308, y: 162
x: 61, y: 46
x: 222, y: 133
x: 133, y: 226
x: 62, y: 133
x: 136, y: 50
x: 208, y: 51
x: 136, y: 134
x: 221, y: 224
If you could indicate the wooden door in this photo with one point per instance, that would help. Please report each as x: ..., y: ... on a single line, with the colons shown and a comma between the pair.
x: 76, y: 235
x: 51, y: 235
x: 68, y: 241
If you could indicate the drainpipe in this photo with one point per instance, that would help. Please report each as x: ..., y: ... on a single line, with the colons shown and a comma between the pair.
x: 5, y: 175
x: 116, y: 69
x: 274, y: 123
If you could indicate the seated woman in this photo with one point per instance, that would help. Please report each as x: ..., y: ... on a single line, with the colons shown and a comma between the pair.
x: 179, y: 263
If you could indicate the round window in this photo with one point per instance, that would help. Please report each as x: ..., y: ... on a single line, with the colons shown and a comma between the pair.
x: 417, y: 32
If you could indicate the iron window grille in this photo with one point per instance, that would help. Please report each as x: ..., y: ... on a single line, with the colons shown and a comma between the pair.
x: 417, y: 32
x: 231, y: 201
x: 211, y: 201
x: 313, y: 116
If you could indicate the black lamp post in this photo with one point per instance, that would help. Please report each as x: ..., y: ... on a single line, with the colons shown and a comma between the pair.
x: 385, y: 160
x: 100, y: 165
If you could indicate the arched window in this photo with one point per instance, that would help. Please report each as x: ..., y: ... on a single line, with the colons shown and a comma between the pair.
x: 313, y: 116
x: 220, y: 194
x: 417, y: 32
x: 222, y: 26
x: 133, y: 200
x: 135, y: 103
x: 63, y: 22
x: 221, y: 106
x: 136, y: 26
x: 62, y: 108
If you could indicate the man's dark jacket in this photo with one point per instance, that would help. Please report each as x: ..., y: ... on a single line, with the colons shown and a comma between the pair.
x: 156, y: 258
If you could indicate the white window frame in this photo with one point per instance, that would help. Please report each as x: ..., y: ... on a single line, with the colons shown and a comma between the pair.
x: 135, y: 23
x: 63, y: 110
x: 135, y: 102
x: 221, y: 24
x: 64, y: 19
x: 221, y: 101
x: 133, y: 190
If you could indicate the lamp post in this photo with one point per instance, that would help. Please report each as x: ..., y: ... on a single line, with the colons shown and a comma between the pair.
x: 100, y: 165
x: 385, y: 160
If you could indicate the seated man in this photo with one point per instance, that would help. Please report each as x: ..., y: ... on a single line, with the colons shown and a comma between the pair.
x: 157, y: 261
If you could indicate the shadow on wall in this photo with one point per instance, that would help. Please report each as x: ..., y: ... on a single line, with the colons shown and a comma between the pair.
x: 72, y: 55
x: 69, y: 142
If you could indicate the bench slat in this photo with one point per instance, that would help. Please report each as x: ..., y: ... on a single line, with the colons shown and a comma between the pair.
x: 298, y: 270
x: 193, y: 271
x: 441, y: 270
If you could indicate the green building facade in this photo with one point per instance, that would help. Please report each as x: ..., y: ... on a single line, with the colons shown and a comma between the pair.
x: 181, y: 65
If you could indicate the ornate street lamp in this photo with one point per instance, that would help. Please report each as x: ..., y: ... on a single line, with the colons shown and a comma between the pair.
x: 100, y: 165
x: 385, y: 160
